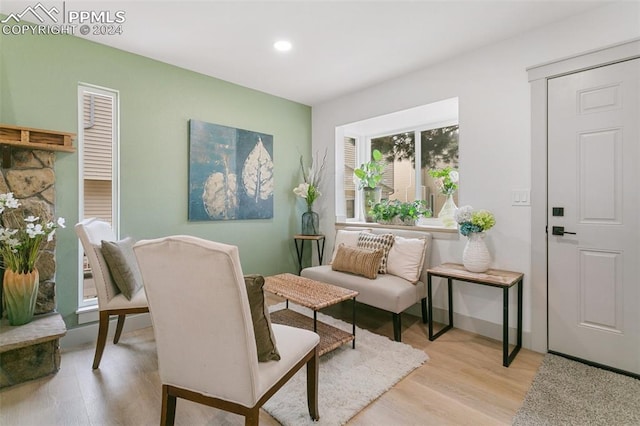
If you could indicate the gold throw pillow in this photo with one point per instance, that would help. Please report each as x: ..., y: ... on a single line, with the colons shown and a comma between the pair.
x: 358, y: 261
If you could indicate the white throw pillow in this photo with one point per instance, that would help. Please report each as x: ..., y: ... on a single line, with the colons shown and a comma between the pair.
x: 348, y: 238
x: 406, y: 258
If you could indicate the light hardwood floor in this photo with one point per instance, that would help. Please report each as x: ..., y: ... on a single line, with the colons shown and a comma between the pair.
x: 463, y: 383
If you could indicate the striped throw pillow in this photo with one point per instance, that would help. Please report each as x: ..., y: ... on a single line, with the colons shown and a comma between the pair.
x: 357, y: 261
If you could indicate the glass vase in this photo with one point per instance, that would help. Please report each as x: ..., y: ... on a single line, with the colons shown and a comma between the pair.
x: 20, y: 294
x: 447, y: 212
x: 476, y: 256
x: 372, y: 196
x: 310, y: 222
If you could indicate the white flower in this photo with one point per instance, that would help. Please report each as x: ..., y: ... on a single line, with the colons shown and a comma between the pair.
x: 301, y: 190
x: 31, y: 219
x: 454, y: 176
x: 463, y: 214
x: 7, y: 201
x: 34, y: 230
x: 61, y: 222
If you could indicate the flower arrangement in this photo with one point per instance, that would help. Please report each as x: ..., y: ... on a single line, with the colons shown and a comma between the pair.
x: 446, y: 180
x: 21, y: 238
x: 311, y: 175
x: 471, y: 220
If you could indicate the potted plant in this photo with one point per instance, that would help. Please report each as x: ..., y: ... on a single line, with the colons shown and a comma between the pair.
x: 446, y: 180
x: 473, y: 224
x: 370, y: 175
x: 309, y: 190
x: 21, y: 241
x: 395, y: 212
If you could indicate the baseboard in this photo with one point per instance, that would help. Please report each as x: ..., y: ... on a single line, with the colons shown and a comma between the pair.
x: 89, y: 333
x: 474, y: 325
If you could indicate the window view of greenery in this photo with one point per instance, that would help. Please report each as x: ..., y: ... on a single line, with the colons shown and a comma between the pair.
x: 438, y: 149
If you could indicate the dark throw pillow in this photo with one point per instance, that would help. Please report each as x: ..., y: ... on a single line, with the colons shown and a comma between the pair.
x: 123, y: 266
x: 265, y: 340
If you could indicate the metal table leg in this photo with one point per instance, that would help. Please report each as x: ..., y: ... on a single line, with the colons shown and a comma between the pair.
x: 449, y: 326
x: 506, y: 356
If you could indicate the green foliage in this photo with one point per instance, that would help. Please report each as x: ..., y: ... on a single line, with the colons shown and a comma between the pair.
x: 446, y: 179
x: 439, y: 146
x: 387, y: 210
x: 370, y: 173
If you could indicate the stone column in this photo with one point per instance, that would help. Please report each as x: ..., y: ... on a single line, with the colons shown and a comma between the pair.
x: 31, y: 178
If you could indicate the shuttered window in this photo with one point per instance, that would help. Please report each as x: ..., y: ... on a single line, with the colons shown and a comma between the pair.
x: 98, y: 136
x: 349, y: 184
x: 98, y: 140
x: 97, y: 199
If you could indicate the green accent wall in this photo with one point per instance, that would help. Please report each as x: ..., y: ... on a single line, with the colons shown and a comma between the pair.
x: 39, y: 76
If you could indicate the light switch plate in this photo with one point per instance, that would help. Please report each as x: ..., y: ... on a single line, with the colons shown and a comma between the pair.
x: 520, y: 197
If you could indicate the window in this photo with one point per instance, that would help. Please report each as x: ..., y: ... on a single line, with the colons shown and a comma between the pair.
x: 349, y: 184
x: 98, y: 156
x: 406, y: 178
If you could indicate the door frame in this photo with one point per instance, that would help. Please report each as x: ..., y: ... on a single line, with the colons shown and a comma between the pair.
x: 538, y: 77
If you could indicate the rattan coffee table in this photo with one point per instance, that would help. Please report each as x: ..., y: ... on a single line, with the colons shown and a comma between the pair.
x: 314, y: 295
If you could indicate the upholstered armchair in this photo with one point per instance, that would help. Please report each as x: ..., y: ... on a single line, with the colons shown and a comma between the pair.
x: 111, y: 301
x: 204, y: 331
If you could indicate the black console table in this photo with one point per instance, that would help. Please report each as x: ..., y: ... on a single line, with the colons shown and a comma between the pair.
x: 493, y: 278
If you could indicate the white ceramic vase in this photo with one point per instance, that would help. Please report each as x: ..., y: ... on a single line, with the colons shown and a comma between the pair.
x: 476, y: 257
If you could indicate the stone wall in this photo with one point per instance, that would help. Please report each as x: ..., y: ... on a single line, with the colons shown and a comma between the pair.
x: 31, y: 178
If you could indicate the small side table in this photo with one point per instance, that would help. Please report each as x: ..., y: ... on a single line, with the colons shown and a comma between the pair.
x: 319, y: 239
x: 493, y: 278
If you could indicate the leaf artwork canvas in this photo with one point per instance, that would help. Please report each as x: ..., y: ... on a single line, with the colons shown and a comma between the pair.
x: 230, y: 173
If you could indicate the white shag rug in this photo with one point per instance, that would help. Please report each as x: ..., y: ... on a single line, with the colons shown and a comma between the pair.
x: 349, y: 379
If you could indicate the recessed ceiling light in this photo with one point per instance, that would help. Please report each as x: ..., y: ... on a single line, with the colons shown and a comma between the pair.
x: 282, y: 45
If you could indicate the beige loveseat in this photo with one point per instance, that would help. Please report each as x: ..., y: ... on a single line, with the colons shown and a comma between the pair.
x: 387, y: 291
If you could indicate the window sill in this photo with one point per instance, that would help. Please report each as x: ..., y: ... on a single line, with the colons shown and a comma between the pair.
x: 87, y: 314
x: 431, y: 225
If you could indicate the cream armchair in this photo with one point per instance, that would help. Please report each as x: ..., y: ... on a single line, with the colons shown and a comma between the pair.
x: 204, y: 332
x: 91, y: 233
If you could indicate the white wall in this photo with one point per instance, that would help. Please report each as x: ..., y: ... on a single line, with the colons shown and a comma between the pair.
x: 495, y: 138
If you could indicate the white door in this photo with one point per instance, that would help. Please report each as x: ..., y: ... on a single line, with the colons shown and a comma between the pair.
x: 594, y: 157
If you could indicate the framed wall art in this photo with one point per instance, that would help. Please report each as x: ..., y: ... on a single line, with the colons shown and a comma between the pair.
x: 230, y: 173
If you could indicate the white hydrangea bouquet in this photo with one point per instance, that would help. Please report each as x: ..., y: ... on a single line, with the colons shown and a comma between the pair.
x: 472, y: 221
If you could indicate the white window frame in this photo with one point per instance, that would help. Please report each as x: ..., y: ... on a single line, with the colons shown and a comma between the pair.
x: 363, y: 154
x: 88, y: 306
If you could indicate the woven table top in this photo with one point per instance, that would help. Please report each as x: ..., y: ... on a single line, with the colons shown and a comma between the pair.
x: 307, y: 292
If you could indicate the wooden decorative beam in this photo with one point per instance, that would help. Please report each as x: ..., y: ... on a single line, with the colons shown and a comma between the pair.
x: 29, y: 138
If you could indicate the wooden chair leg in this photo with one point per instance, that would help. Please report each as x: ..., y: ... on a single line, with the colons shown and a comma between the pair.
x: 168, y: 416
x: 119, y: 328
x: 425, y: 314
x: 312, y: 386
x: 397, y: 327
x: 103, y: 328
x: 252, y: 417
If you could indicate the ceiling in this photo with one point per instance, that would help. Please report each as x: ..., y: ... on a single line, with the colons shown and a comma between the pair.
x: 338, y: 46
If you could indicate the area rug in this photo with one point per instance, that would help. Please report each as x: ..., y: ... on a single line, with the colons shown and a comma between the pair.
x: 349, y: 379
x: 566, y: 392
